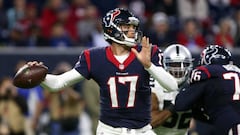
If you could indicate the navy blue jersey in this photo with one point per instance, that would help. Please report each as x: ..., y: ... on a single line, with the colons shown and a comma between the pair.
x: 124, y: 87
x: 217, y: 88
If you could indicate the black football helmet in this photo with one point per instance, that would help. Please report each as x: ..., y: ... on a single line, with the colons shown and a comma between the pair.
x: 215, y: 54
x: 112, y: 31
x: 178, y: 61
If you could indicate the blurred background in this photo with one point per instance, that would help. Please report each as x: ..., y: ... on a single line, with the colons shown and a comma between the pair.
x: 56, y: 31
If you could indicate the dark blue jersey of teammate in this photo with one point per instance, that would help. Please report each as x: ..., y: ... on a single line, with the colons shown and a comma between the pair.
x: 124, y: 87
x: 217, y: 88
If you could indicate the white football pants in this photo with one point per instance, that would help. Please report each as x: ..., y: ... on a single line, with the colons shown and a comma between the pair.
x: 104, y: 129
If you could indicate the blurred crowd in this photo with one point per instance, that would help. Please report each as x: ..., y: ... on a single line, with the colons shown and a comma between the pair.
x: 76, y: 23
x: 36, y: 111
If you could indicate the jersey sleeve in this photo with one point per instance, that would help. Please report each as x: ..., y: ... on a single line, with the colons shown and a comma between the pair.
x: 200, y: 74
x: 188, y: 96
x: 156, y: 56
x: 83, y: 64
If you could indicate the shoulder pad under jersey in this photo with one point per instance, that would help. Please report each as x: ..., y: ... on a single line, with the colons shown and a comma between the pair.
x: 202, y: 73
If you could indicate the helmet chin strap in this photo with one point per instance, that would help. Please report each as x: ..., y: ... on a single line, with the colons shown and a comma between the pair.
x: 130, y: 42
x: 127, y: 41
x: 133, y: 41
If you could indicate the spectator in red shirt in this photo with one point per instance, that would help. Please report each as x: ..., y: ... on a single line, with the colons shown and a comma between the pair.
x: 63, y: 16
x: 49, y: 16
x: 190, y: 36
x: 30, y: 18
x: 223, y: 37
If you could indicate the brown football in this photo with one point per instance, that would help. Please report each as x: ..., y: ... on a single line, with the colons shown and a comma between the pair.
x: 30, y: 76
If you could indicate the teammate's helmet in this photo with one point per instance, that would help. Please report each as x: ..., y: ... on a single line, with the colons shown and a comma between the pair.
x: 178, y: 61
x: 112, y: 31
x: 215, y: 54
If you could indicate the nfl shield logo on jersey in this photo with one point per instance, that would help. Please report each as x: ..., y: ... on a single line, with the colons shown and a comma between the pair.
x: 121, y: 66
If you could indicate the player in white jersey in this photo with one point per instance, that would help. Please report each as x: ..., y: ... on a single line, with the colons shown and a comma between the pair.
x: 177, y: 60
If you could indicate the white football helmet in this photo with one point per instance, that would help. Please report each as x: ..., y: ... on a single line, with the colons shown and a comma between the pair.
x: 178, y: 61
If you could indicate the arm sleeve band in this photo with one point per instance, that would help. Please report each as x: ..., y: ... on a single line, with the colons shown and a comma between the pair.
x: 163, y: 77
x: 55, y: 83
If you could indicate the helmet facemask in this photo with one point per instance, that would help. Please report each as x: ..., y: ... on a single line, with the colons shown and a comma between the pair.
x: 179, y: 70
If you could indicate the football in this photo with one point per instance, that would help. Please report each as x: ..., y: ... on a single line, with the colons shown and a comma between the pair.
x: 30, y: 76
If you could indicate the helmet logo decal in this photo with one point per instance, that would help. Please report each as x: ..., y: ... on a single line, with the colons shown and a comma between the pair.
x: 211, y: 53
x: 110, y: 17
x: 215, y: 54
x: 114, y: 14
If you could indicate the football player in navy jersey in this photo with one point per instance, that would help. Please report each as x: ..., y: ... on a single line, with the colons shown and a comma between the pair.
x: 214, y: 85
x: 178, y: 61
x: 122, y: 70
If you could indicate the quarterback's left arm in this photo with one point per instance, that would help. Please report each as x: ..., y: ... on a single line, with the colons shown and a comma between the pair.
x: 158, y: 72
x: 163, y: 77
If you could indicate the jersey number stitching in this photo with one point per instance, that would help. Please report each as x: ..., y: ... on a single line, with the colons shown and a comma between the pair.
x: 195, y: 76
x: 235, y: 77
x: 123, y: 80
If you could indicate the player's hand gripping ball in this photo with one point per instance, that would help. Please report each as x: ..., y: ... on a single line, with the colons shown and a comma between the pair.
x: 30, y: 76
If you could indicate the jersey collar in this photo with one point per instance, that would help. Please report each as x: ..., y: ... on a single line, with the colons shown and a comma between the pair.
x: 112, y: 59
